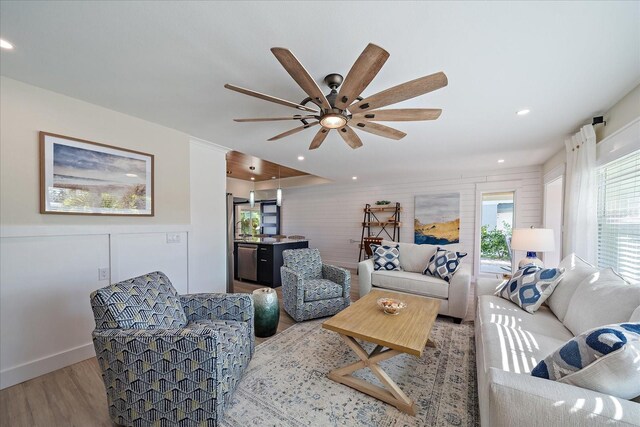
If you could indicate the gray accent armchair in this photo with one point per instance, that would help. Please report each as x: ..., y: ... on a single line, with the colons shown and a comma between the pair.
x: 168, y: 359
x: 310, y: 288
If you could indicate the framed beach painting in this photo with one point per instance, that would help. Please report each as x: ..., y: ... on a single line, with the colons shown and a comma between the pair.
x: 437, y: 219
x: 86, y: 178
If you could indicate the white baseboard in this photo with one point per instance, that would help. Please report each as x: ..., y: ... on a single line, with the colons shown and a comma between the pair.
x: 35, y: 368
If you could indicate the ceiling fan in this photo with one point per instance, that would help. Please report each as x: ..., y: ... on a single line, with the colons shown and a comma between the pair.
x: 345, y: 110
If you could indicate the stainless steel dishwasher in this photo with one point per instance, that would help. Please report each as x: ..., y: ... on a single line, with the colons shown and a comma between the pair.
x: 248, y: 262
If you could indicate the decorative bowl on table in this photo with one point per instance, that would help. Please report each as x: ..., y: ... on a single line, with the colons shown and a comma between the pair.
x: 391, y: 306
x: 382, y: 202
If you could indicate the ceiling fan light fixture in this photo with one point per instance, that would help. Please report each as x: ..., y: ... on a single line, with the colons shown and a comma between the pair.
x: 333, y: 121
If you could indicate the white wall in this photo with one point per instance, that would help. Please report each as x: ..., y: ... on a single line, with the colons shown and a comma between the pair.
x: 330, y: 215
x: 26, y: 109
x: 208, y: 242
x: 49, y: 263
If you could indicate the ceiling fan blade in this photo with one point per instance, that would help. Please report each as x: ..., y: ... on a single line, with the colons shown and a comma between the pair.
x: 269, y: 98
x: 301, y: 76
x: 350, y: 137
x: 402, y: 92
x: 292, y: 131
x: 377, y: 129
x: 399, y: 115
x: 319, y: 138
x: 361, y: 74
x: 274, y: 119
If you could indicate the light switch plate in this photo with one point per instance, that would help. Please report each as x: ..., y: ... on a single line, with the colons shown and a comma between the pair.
x: 173, y: 237
x: 103, y: 274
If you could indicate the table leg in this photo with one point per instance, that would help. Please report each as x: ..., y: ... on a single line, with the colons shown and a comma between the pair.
x: 391, y: 393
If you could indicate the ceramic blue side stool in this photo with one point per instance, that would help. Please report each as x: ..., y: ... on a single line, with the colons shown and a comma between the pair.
x: 267, y: 312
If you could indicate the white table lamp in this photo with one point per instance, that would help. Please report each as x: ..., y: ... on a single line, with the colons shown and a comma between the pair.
x: 532, y: 240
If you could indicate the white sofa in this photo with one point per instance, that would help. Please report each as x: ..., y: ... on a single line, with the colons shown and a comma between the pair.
x: 454, y: 296
x: 510, y: 342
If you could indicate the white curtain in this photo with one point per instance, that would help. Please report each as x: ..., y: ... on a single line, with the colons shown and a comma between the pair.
x: 580, y: 221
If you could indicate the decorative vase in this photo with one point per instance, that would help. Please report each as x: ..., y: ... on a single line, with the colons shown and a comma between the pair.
x: 266, y: 312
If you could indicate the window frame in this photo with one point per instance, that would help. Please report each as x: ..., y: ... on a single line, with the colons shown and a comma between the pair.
x: 494, y: 187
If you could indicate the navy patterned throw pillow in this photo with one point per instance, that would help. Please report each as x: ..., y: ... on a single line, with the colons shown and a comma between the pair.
x: 386, y: 257
x: 444, y: 264
x: 603, y: 359
x: 530, y: 286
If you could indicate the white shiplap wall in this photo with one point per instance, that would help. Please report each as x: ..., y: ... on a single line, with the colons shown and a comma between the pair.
x: 330, y: 215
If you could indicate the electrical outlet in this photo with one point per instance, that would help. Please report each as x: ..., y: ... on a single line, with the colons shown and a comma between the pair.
x: 103, y: 274
x: 173, y: 237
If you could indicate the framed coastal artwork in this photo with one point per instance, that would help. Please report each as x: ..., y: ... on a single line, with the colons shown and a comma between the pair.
x: 437, y: 219
x: 86, y: 178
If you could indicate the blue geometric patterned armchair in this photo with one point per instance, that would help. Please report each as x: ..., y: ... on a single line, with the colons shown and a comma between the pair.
x: 167, y: 359
x: 311, y: 289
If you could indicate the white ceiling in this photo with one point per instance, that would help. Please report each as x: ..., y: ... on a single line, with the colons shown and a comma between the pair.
x: 167, y: 62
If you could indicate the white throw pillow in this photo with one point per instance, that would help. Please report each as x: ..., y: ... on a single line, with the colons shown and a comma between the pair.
x: 604, y: 359
x: 413, y: 258
x: 635, y: 316
x: 575, y: 271
x: 601, y: 299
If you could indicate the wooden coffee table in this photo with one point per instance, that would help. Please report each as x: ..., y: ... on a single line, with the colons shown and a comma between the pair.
x: 408, y: 332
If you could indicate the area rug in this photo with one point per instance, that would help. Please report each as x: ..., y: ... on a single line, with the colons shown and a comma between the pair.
x: 286, y: 383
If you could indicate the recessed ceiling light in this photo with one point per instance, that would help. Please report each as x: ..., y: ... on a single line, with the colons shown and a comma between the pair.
x: 253, y: 179
x: 354, y: 178
x: 501, y: 161
x: 523, y: 112
x: 5, y: 44
x: 131, y: 175
x: 300, y: 158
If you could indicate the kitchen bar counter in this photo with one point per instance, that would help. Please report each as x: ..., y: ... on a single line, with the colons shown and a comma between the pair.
x: 259, y: 259
x: 268, y: 241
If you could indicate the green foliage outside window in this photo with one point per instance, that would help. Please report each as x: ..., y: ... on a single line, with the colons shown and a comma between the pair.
x: 493, y: 242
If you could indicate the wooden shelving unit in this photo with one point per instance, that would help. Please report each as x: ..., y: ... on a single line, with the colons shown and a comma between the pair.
x: 372, y: 226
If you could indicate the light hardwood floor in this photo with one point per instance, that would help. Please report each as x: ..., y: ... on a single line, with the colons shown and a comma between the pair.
x: 75, y: 395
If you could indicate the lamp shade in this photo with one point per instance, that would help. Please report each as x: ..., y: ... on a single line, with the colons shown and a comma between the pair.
x: 532, y: 240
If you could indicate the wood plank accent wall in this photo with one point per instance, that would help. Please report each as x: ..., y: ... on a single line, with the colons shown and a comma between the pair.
x: 330, y: 215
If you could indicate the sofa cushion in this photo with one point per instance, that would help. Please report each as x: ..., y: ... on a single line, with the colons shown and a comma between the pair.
x: 413, y: 258
x: 513, y: 349
x: 530, y: 286
x: 145, y: 302
x: 604, y: 359
x: 444, y: 264
x: 321, y: 289
x: 495, y: 310
x: 306, y: 262
x: 414, y: 283
x: 386, y: 257
x: 601, y: 299
x: 575, y: 271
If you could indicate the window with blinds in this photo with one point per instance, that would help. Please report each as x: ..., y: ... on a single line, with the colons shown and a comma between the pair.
x: 619, y: 216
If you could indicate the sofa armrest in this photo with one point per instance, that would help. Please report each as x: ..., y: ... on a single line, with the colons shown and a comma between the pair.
x: 114, y: 345
x: 292, y: 291
x: 338, y: 275
x: 238, y: 307
x: 459, y: 289
x: 365, y: 268
x: 487, y: 286
x: 541, y: 403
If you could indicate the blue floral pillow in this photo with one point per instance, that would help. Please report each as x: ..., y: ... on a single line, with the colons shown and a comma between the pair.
x: 603, y: 359
x: 386, y: 257
x: 531, y: 286
x: 444, y: 264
